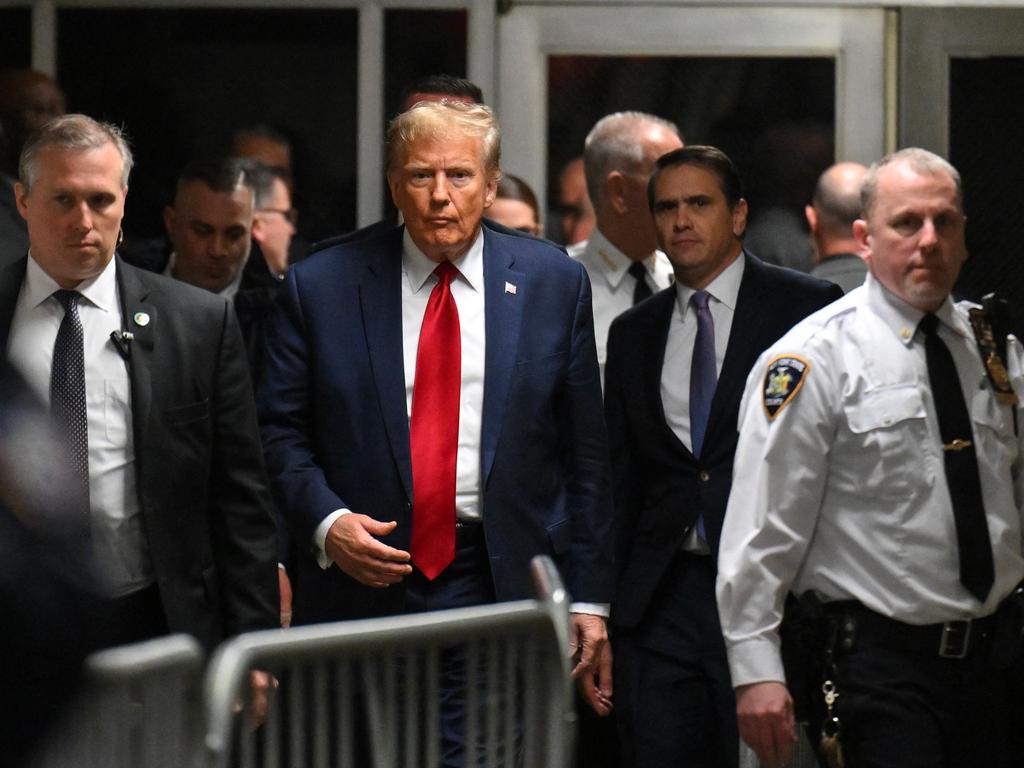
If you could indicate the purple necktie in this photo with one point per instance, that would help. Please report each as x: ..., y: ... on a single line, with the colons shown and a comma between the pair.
x: 703, y: 379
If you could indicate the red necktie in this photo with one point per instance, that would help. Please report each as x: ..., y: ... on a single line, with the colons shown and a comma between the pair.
x: 434, y: 428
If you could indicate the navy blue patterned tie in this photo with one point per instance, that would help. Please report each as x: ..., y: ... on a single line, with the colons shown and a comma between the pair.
x: 703, y: 379
x: 67, y: 392
x: 977, y: 572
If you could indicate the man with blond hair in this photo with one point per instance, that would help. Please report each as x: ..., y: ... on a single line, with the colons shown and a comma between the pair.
x: 431, y: 405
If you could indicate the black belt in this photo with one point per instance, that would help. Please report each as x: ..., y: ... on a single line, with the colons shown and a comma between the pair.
x: 468, y: 533
x: 860, y: 627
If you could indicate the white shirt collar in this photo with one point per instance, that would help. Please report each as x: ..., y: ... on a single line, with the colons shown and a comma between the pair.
x: 418, y: 268
x: 903, y: 319
x: 724, y: 289
x: 611, y: 262
x: 101, y: 291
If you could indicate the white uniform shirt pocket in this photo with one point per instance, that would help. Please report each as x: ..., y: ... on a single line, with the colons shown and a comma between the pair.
x: 890, y: 436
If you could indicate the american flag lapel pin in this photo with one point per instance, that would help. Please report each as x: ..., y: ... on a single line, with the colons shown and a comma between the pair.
x: 509, y: 288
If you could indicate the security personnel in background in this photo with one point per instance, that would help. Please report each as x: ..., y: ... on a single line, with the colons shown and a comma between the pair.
x: 879, y: 474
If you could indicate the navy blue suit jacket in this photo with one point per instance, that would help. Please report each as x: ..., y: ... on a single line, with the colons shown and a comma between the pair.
x: 335, y: 428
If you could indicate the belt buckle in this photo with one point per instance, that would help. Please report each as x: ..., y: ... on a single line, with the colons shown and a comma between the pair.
x: 955, y: 640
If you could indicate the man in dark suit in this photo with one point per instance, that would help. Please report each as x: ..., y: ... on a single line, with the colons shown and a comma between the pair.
x: 676, y: 369
x: 431, y: 406
x: 148, y: 382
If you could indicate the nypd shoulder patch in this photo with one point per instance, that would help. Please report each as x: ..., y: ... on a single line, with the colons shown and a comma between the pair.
x: 783, y: 380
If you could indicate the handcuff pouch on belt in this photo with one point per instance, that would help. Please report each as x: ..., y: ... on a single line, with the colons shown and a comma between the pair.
x: 809, y: 636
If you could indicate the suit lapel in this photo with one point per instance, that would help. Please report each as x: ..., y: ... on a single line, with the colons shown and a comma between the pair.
x: 744, y: 346
x: 380, y: 301
x: 140, y: 318
x: 11, y: 278
x: 505, y: 291
x: 652, y: 361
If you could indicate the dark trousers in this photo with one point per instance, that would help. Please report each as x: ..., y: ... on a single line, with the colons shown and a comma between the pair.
x: 466, y: 582
x: 901, y: 709
x: 673, y: 696
x: 129, y: 619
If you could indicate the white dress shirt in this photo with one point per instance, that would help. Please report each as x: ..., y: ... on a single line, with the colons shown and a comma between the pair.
x: 611, y: 284
x: 844, y: 492
x: 675, y: 371
x: 418, y: 280
x: 115, y: 519
x: 682, y: 333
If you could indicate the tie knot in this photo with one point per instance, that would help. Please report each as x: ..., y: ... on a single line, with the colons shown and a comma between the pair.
x: 700, y: 300
x: 446, y: 272
x: 929, y: 324
x: 68, y: 299
x: 638, y: 270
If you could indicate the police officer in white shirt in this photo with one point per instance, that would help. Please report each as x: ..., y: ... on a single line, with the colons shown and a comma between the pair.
x: 621, y: 257
x: 856, y: 489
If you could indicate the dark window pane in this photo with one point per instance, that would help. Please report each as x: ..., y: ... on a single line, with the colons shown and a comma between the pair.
x: 986, y: 112
x: 15, y: 37
x: 182, y: 81
x: 775, y: 117
x: 419, y: 43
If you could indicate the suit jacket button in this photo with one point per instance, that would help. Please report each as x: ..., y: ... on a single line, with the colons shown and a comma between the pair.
x: 704, y: 476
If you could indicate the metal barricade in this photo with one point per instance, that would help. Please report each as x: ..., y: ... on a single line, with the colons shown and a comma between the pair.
x: 140, y: 707
x: 803, y: 754
x: 367, y: 693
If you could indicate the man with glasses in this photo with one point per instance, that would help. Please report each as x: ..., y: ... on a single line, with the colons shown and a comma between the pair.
x: 273, y: 219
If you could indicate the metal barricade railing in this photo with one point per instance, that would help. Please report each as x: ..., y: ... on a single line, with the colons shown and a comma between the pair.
x: 139, y: 707
x: 367, y: 693
x: 804, y: 755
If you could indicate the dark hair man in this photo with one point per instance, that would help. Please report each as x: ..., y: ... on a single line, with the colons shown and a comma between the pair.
x: 210, y: 225
x: 440, y: 87
x: 273, y: 217
x: 676, y: 367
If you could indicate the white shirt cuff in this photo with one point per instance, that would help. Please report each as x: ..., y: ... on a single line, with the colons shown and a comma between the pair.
x: 320, y: 537
x: 756, y: 660
x: 597, y: 609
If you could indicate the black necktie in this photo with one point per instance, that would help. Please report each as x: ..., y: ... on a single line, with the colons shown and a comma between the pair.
x: 641, y: 290
x: 67, y: 392
x: 976, y: 569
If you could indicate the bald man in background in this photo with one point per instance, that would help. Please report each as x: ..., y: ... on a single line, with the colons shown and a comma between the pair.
x: 830, y: 216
